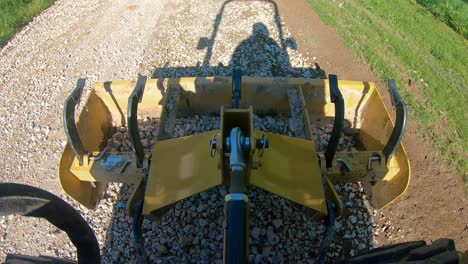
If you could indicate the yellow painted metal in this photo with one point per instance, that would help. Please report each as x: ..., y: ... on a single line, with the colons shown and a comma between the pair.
x: 94, y: 128
x: 83, y: 192
x: 376, y: 128
x: 115, y: 96
x: 106, y: 108
x: 290, y: 168
x: 231, y: 118
x: 137, y: 195
x: 366, y: 111
x: 317, y: 98
x: 359, y: 164
x: 124, y: 171
x: 333, y: 196
x: 180, y: 168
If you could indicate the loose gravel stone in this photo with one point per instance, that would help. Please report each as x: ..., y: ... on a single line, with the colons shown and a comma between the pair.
x: 277, y: 223
x: 98, y: 40
x: 279, y: 229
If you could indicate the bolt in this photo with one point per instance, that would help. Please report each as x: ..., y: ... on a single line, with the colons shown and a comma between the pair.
x: 213, y: 144
x: 246, y: 145
x: 263, y: 143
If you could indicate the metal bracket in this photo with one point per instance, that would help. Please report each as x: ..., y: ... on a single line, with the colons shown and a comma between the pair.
x: 345, y: 166
x: 69, y: 121
x: 355, y: 166
x: 100, y: 155
x: 132, y: 122
x: 400, y: 122
x: 374, y: 157
x: 262, y: 144
x: 337, y: 99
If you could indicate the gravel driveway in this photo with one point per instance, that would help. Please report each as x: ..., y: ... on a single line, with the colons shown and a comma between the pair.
x: 106, y: 40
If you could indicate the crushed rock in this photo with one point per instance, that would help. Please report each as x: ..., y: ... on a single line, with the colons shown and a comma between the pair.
x: 98, y: 40
x: 280, y: 230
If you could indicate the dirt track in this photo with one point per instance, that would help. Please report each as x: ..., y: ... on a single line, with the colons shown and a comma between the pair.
x: 105, y: 40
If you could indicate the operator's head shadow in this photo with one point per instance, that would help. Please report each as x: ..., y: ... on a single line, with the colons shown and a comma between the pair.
x: 261, y: 55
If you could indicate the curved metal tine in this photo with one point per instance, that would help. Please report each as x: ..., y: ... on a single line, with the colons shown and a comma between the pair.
x: 132, y: 123
x: 236, y: 88
x: 100, y: 155
x: 69, y: 121
x: 137, y: 233
x: 338, y: 124
x: 400, y: 122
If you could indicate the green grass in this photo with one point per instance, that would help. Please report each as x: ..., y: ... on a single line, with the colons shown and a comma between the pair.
x: 16, y: 13
x: 400, y: 39
x: 452, y: 12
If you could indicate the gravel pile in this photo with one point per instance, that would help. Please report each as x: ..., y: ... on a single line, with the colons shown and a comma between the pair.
x: 280, y: 230
x: 252, y: 44
x: 38, y: 70
x: 321, y: 135
x: 99, y: 40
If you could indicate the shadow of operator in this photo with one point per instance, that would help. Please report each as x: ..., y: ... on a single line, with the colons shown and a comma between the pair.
x: 258, y: 55
x: 261, y: 55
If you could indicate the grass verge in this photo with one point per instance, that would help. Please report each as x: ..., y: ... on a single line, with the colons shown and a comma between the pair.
x: 452, y: 12
x: 401, y: 40
x: 14, y: 14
